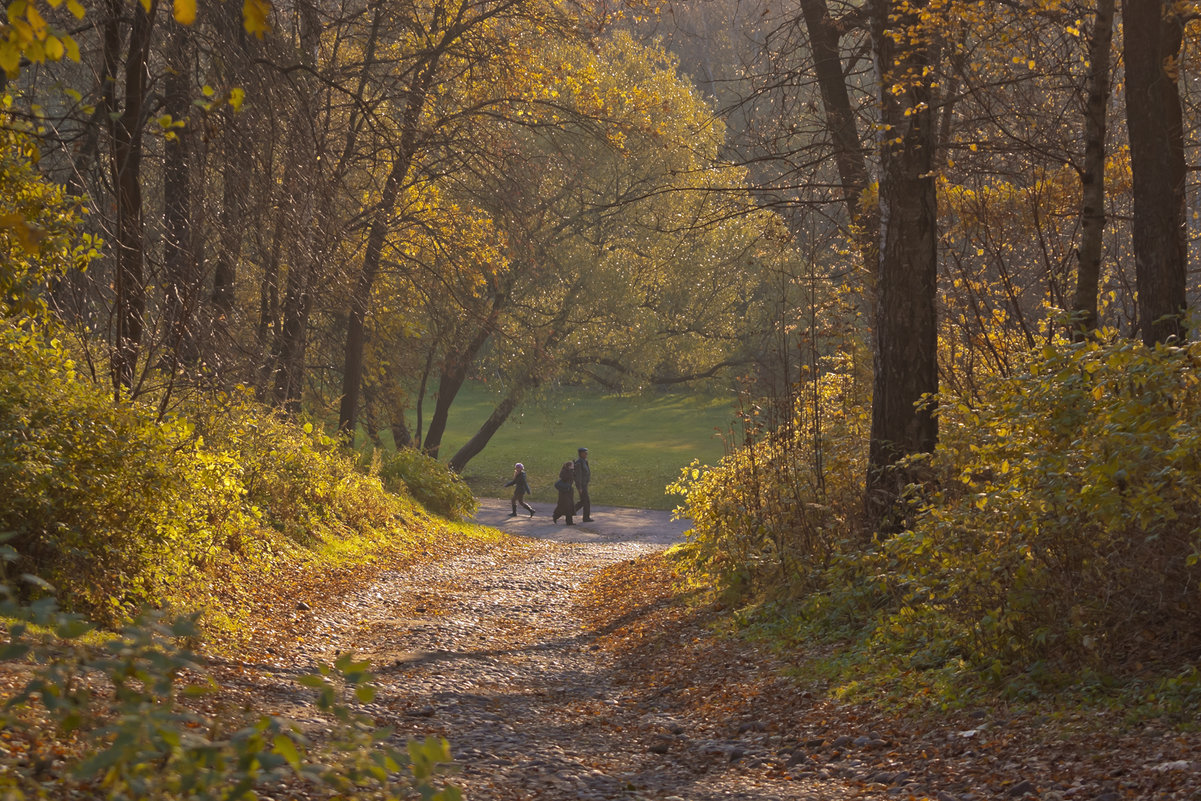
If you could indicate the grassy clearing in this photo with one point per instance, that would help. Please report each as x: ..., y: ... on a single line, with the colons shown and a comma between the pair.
x: 637, y: 445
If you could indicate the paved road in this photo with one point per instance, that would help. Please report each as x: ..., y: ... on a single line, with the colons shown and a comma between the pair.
x: 609, y: 524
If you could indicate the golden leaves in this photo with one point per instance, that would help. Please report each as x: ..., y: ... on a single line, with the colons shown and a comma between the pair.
x: 28, y: 35
x: 185, y: 11
x: 27, y: 236
x: 255, y: 14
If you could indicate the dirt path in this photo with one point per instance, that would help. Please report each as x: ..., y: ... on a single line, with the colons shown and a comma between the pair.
x: 547, y: 689
x: 490, y: 651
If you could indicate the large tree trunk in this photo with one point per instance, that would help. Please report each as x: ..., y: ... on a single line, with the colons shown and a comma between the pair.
x: 906, y: 366
x: 236, y: 158
x: 179, y: 257
x: 126, y: 164
x: 849, y: 156
x: 236, y: 164
x: 450, y: 381
x: 288, y: 351
x: 1153, y: 33
x: 481, y: 437
x: 1092, y: 176
x: 840, y: 120
x: 360, y: 300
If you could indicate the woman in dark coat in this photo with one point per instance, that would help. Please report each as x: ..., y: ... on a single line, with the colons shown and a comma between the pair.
x: 566, y: 487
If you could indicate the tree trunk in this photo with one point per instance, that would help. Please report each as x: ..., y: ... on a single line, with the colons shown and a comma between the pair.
x: 269, y: 299
x: 840, y: 118
x: 360, y: 301
x: 289, y: 348
x: 1153, y: 34
x: 481, y: 437
x: 179, y: 257
x: 849, y: 155
x: 401, y: 437
x: 1092, y: 177
x: 356, y: 327
x: 236, y: 163
x: 235, y: 153
x: 450, y: 381
x: 906, y: 366
x: 126, y: 130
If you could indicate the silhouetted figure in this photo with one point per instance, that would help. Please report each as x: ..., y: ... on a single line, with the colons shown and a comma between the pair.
x: 583, y: 475
x: 566, y: 487
x: 521, y: 488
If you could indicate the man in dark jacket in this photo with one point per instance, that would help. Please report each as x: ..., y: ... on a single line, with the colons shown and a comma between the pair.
x: 583, y: 475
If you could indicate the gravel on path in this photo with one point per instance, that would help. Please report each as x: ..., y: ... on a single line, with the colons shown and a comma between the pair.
x: 609, y: 524
x: 506, y: 653
x: 488, y: 650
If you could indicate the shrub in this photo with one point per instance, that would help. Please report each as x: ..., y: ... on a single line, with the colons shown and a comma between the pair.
x: 121, y: 509
x: 1067, y: 528
x: 133, y: 718
x: 298, y: 481
x: 1059, y: 534
x: 101, y: 499
x: 433, y: 484
x: 773, y: 513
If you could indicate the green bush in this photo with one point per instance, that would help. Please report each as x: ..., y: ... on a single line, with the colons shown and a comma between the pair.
x: 102, y: 499
x: 296, y: 480
x: 432, y: 484
x: 1067, y: 527
x: 133, y: 718
x: 1059, y: 535
x: 772, y: 515
x: 121, y: 509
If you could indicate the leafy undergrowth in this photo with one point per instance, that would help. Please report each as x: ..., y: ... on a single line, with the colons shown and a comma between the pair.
x: 135, y: 714
x: 1050, y: 545
x: 682, y: 651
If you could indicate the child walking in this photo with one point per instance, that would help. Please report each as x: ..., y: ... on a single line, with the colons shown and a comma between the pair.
x: 521, y: 488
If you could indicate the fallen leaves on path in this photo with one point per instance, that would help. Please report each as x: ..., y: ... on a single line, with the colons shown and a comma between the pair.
x: 667, y: 650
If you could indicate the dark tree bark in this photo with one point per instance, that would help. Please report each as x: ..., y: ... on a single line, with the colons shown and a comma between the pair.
x: 480, y: 439
x: 179, y: 257
x: 824, y: 38
x: 360, y: 300
x: 236, y: 165
x: 1153, y: 31
x: 849, y: 156
x: 288, y: 351
x: 450, y: 381
x: 401, y: 437
x: 236, y: 161
x: 906, y: 367
x: 1092, y: 175
x: 297, y: 215
x: 269, y: 298
x: 126, y: 167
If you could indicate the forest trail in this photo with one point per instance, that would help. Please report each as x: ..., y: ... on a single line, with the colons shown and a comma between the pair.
x: 492, y: 650
x: 558, y: 668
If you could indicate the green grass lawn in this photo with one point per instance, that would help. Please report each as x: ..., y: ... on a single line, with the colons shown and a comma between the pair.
x: 636, y: 445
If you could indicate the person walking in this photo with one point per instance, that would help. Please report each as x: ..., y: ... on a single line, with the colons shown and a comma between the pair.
x: 565, y: 485
x: 583, y: 476
x: 521, y: 488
